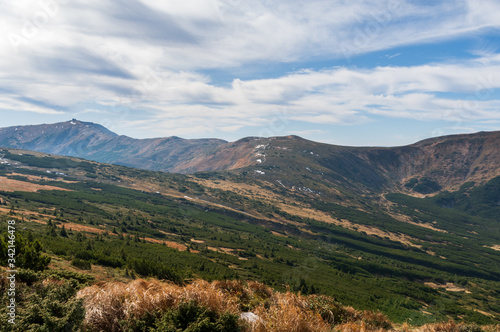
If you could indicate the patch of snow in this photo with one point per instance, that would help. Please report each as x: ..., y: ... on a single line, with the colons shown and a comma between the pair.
x: 309, y: 190
x: 311, y: 152
x: 279, y: 181
x: 308, y: 169
x: 15, y: 129
x: 73, y: 123
x: 187, y: 197
x: 259, y: 172
x: 49, y: 172
x: 259, y: 161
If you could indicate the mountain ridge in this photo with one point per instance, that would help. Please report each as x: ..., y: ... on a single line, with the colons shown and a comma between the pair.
x: 425, y: 167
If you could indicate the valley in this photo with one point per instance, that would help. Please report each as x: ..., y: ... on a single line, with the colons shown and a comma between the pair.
x: 411, y: 232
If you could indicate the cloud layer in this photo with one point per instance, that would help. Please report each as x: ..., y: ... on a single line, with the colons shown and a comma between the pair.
x: 146, y: 64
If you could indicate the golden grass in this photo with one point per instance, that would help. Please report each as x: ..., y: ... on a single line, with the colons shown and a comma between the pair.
x: 288, y: 313
x: 108, y: 303
x: 449, y: 326
x: 12, y: 185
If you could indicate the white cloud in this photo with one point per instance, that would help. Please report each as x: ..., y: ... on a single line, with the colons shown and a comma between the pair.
x: 148, y: 56
x: 14, y: 105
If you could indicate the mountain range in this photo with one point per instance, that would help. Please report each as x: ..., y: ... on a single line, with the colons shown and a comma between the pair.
x: 424, y: 167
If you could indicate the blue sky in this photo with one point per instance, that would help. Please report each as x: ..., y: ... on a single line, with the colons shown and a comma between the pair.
x: 352, y: 73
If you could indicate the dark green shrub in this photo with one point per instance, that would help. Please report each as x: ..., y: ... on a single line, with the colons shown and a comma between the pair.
x: 192, y: 317
x: 28, y: 276
x: 81, y: 264
x: 48, y: 305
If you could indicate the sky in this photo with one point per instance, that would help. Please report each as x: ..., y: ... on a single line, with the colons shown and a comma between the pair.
x: 358, y: 73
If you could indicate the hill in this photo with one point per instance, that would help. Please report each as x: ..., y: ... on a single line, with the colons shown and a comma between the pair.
x: 367, y: 243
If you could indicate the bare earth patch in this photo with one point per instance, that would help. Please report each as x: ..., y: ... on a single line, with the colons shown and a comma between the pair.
x: 407, y: 220
x: 170, y: 244
x: 222, y: 250
x: 12, y: 185
x: 494, y: 247
x: 41, y: 178
x: 484, y: 313
x: 369, y: 230
x: 81, y: 228
x: 449, y: 286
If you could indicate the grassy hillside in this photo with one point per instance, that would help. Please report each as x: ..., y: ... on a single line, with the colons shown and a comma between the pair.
x: 415, y: 260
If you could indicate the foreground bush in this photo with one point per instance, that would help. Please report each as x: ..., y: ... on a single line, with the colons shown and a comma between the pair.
x: 64, y: 301
x: 45, y: 301
x: 220, y: 306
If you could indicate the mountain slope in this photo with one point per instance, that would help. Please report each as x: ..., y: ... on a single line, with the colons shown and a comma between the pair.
x: 425, y: 259
x: 92, y: 141
x: 421, y: 168
x: 70, y: 138
x: 425, y: 167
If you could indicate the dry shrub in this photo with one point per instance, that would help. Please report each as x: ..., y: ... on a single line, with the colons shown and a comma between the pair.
x: 352, y: 327
x: 375, y: 320
x: 367, y: 321
x: 247, y: 295
x: 288, y: 313
x: 259, y: 288
x: 405, y: 327
x: 449, y: 326
x: 492, y: 328
x: 108, y: 303
x: 330, y: 310
x: 209, y: 295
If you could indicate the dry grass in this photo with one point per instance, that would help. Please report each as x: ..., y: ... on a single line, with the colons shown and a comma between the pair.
x: 289, y: 313
x: 12, y: 185
x: 451, y: 326
x: 109, y: 303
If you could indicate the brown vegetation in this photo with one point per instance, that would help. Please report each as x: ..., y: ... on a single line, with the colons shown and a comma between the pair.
x: 451, y: 326
x: 109, y: 303
x: 12, y: 185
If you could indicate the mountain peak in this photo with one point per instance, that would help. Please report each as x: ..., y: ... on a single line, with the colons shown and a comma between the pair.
x: 64, y: 138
